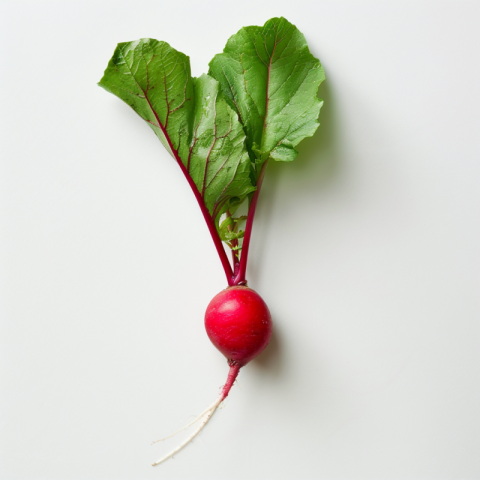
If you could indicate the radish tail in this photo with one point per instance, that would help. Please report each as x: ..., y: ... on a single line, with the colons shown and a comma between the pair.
x: 195, y: 420
x: 204, y: 417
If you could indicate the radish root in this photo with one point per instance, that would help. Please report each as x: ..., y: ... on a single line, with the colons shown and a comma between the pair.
x: 213, y: 406
x: 204, y: 420
x: 204, y: 417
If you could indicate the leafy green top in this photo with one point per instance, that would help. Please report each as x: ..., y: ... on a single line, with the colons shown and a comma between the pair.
x: 258, y: 102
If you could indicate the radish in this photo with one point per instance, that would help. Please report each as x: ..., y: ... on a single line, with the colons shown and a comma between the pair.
x: 238, y: 323
x: 258, y: 101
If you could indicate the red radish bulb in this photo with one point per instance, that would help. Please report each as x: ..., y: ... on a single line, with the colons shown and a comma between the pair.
x: 239, y: 324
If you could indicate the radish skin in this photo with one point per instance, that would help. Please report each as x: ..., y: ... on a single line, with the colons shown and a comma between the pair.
x: 239, y: 324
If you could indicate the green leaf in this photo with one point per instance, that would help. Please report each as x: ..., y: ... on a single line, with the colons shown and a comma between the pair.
x: 229, y: 229
x: 270, y: 77
x: 217, y: 159
x: 190, y: 116
x: 154, y: 79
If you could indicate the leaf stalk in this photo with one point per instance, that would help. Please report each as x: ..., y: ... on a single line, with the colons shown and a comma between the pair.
x: 240, y: 277
x: 206, y: 214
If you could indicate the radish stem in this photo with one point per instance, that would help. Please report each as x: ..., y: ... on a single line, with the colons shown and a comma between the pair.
x: 240, y: 277
x: 206, y: 214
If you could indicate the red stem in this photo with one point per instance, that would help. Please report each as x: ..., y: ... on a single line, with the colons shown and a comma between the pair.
x: 242, y: 270
x: 232, y: 375
x: 206, y: 214
x: 210, y: 223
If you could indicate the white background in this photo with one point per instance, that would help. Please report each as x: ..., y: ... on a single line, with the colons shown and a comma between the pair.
x: 366, y: 249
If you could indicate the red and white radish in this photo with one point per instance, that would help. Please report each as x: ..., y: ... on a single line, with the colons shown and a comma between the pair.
x: 239, y: 324
x: 258, y: 101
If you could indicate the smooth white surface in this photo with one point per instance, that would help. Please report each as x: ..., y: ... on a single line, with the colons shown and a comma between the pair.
x: 366, y: 249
